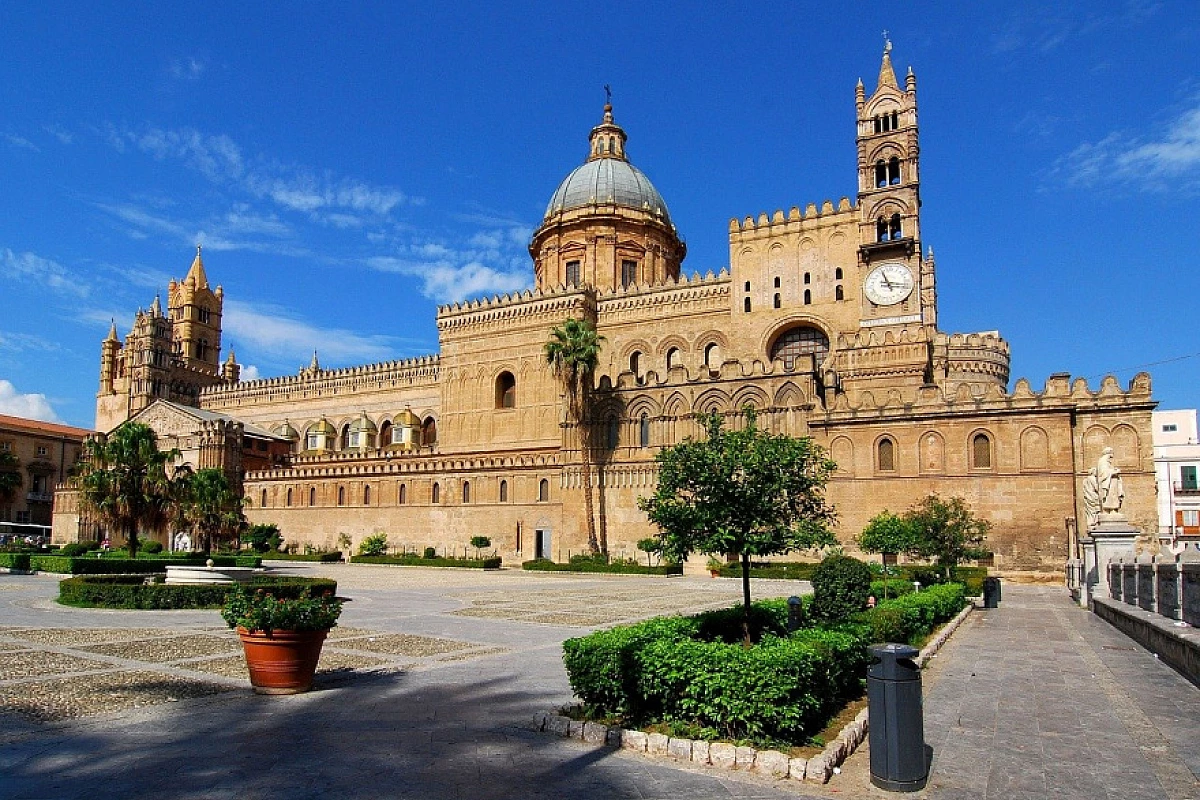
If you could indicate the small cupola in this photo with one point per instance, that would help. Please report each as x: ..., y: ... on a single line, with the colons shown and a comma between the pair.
x: 607, y: 138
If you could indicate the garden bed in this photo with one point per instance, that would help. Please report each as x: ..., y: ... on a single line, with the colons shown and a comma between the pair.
x: 324, y: 558
x: 491, y: 562
x: 133, y: 592
x: 107, y: 565
x: 595, y: 565
x: 970, y: 577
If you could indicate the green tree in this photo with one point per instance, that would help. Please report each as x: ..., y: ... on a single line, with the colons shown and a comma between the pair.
x: 945, y: 531
x: 262, y: 537
x: 886, y: 533
x: 746, y: 491
x: 573, y: 353
x: 10, y: 476
x: 212, y: 508
x: 479, y: 543
x: 651, y: 546
x: 124, y: 481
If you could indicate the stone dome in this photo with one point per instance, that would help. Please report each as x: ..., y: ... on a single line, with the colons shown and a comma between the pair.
x: 608, y: 180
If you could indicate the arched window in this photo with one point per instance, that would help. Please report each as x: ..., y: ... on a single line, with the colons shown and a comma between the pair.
x: 799, y: 341
x: 436, y: 495
x: 635, y: 363
x: 880, y: 175
x: 673, y: 358
x: 808, y: 297
x: 289, y: 497
x: 838, y: 294
x: 887, y: 455
x: 263, y: 504
x: 746, y: 305
x: 776, y: 281
x: 401, y: 494
x: 807, y: 278
x: 613, y: 432
x: 837, y: 274
x: 429, y: 432
x: 894, y: 230
x: 503, y: 491
x: 747, y: 286
x: 543, y: 490
x: 344, y: 442
x: 466, y: 492
x: 777, y: 300
x: 572, y: 273
x: 881, y: 230
x: 644, y: 431
x: 893, y: 171
x: 895, y: 120
x: 312, y: 496
x: 341, y: 495
x: 506, y: 390
x: 366, y: 495
x: 385, y: 433
x: 981, y: 451
x: 712, y: 355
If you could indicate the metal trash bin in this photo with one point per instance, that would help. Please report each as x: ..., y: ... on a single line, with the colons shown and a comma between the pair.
x: 899, y: 757
x: 991, y: 592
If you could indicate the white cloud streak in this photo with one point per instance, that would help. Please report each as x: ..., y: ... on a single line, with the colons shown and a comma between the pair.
x: 278, y: 333
x: 32, y: 268
x: 21, y: 142
x: 29, y: 406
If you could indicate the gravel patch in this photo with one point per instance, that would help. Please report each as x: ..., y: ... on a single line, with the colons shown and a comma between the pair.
x: 12, y: 648
x: 74, y: 637
x: 32, y: 663
x: 160, y: 651
x: 47, y: 701
x: 331, y: 661
x: 575, y: 620
x: 468, y: 655
x: 348, y: 633
x: 403, y: 644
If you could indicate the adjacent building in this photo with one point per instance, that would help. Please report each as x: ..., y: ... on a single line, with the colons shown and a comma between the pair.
x: 41, y: 455
x: 1176, y: 471
x: 825, y: 322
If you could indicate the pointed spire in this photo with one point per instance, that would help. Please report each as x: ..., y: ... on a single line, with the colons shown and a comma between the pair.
x: 887, y: 75
x: 196, y: 274
x: 112, y: 332
x: 607, y: 138
x: 231, y: 358
x: 156, y: 307
x: 315, y: 366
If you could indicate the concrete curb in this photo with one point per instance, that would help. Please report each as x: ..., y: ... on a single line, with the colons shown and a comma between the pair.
x: 770, y: 763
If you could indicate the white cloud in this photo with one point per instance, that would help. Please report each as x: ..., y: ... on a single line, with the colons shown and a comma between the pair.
x: 1170, y: 159
x: 33, y: 268
x: 446, y: 281
x: 20, y: 141
x: 218, y: 158
x: 188, y: 69
x: 250, y: 372
x: 27, y: 342
x: 29, y: 406
x: 61, y: 134
x: 277, y: 332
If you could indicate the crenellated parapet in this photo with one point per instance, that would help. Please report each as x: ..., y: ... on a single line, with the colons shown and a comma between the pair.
x: 686, y: 295
x: 420, y: 372
x: 532, y: 307
x: 386, y: 462
x: 971, y: 358
x: 794, y: 221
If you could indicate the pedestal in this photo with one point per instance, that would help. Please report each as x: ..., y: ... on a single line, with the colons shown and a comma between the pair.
x: 1109, y: 539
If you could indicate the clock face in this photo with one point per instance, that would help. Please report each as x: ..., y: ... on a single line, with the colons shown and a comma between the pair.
x: 889, y: 284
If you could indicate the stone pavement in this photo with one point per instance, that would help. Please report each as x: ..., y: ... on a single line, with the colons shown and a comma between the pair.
x: 441, y: 669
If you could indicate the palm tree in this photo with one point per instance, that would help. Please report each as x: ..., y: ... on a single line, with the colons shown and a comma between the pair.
x: 573, y: 353
x: 10, y: 476
x: 212, y: 507
x: 124, y: 481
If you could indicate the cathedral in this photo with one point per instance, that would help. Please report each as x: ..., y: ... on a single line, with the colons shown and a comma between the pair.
x: 825, y: 322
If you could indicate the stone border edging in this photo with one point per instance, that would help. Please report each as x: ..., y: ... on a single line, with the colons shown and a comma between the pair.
x: 771, y: 763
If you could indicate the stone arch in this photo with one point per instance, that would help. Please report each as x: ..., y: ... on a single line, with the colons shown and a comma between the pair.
x: 819, y: 343
x: 932, y: 453
x: 1095, y: 439
x: 790, y: 395
x: 753, y: 395
x: 1126, y: 446
x: 887, y: 453
x: 711, y: 337
x: 642, y: 404
x: 712, y: 401
x: 841, y: 450
x: 981, y: 449
x: 1035, y: 449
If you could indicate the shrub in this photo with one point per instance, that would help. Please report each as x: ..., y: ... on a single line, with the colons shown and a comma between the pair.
x: 492, y: 562
x: 152, y: 548
x: 841, y: 585
x: 263, y: 537
x: 73, y: 549
x: 325, y: 558
x: 480, y: 542
x: 132, y: 591
x: 261, y: 610
x: 895, y: 588
x: 374, y: 545
x: 587, y: 564
x: 17, y: 561
x: 430, y: 552
x: 910, y: 618
x: 784, y: 570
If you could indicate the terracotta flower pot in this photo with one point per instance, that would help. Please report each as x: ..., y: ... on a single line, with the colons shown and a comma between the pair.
x: 283, y: 662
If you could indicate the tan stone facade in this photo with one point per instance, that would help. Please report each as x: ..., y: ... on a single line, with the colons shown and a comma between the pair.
x: 825, y: 322
x: 44, y: 452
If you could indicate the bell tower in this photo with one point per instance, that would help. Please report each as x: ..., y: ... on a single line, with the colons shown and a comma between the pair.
x: 898, y: 287
x: 195, y: 312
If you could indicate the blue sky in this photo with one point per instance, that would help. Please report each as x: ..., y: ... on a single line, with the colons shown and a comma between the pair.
x: 350, y: 166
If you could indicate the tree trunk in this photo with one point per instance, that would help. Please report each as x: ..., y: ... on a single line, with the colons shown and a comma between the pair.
x: 131, y: 541
x: 746, y: 600
x: 593, y: 545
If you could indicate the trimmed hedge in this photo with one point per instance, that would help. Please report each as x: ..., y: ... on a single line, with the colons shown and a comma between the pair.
x: 127, y: 566
x: 493, y: 562
x: 789, y: 570
x: 971, y: 577
x: 132, y: 591
x: 17, y: 561
x: 324, y: 558
x: 694, y: 671
x: 546, y: 565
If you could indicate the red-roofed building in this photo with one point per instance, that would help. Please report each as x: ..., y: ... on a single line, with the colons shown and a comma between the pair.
x: 42, y: 453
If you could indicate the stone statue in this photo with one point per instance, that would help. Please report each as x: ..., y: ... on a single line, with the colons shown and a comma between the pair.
x: 1103, y: 490
x: 183, y: 543
x: 1109, y: 484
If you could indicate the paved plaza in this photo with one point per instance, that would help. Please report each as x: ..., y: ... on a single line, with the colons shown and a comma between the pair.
x: 426, y: 689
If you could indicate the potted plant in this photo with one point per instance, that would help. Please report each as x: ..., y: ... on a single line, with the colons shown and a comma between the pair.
x: 714, y: 566
x: 281, y: 637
